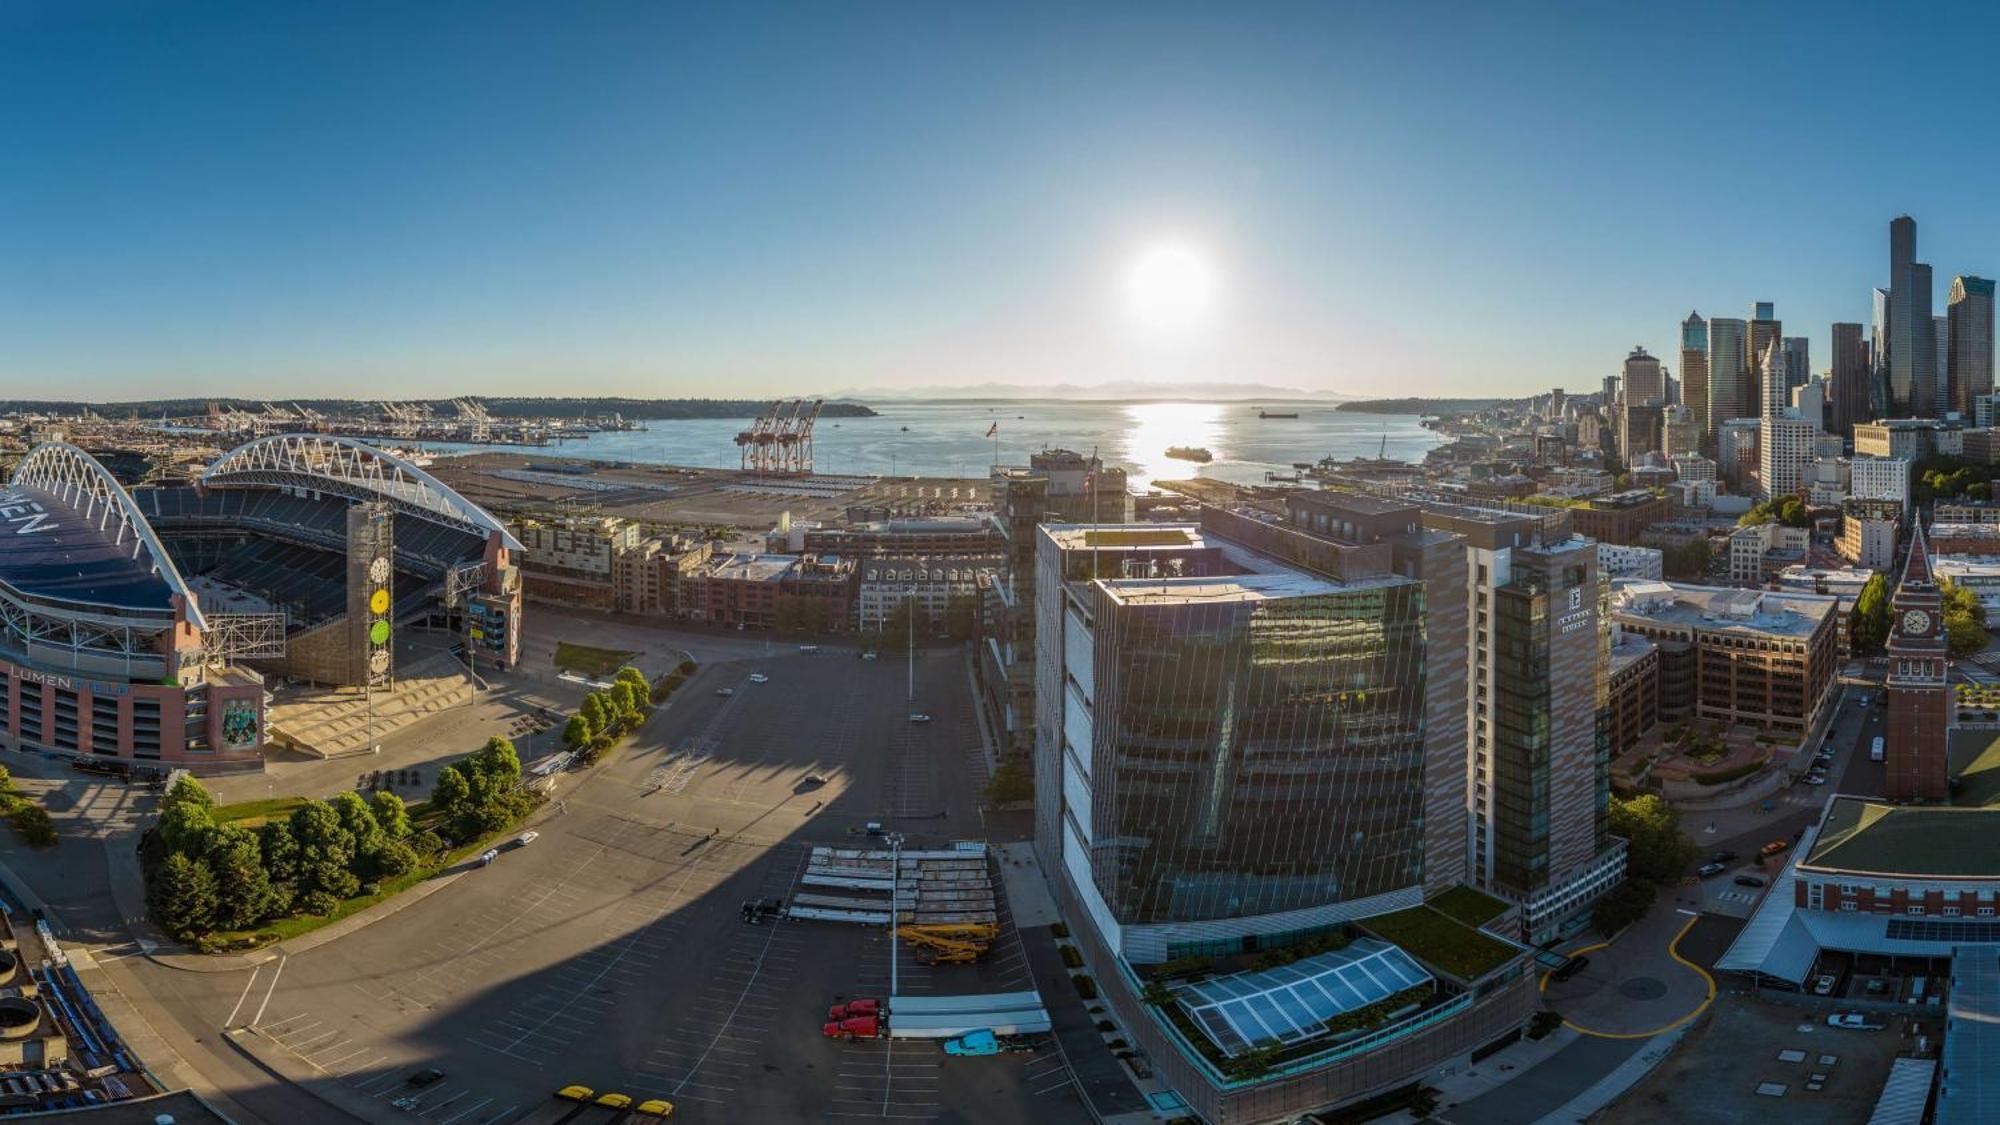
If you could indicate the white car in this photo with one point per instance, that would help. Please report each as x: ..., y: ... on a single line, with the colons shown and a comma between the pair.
x: 526, y: 838
x: 1815, y: 779
x: 920, y: 717
x: 488, y: 856
x: 759, y: 678
x: 1852, y: 1021
x: 808, y: 648
x: 869, y: 655
x: 725, y: 691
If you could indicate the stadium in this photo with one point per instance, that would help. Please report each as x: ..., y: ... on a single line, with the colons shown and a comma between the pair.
x: 141, y: 626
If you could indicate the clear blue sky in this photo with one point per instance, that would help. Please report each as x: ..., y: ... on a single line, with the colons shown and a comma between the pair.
x: 432, y: 198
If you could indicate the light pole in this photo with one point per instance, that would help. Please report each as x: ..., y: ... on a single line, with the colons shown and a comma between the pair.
x: 912, y: 606
x: 895, y: 908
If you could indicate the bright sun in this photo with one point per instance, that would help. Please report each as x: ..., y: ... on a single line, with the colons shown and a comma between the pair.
x: 1171, y: 289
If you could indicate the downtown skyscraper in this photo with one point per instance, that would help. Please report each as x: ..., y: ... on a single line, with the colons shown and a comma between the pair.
x: 1969, y: 364
x: 1912, y: 358
x: 1851, y: 389
x: 1694, y: 370
x: 1729, y: 383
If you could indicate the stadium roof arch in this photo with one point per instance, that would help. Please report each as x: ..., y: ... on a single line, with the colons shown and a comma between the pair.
x: 343, y: 465
x: 78, y: 537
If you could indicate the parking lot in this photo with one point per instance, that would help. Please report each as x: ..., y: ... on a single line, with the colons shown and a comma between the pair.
x: 611, y: 952
x: 1713, y: 1077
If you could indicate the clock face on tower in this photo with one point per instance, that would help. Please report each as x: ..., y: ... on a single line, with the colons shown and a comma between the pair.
x: 1916, y: 621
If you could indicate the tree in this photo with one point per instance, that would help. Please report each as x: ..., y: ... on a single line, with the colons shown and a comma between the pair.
x: 1964, y: 620
x: 280, y: 850
x: 181, y: 894
x: 631, y: 675
x: 577, y: 733
x: 323, y: 841
x: 1011, y: 782
x: 359, y: 822
x: 631, y: 699
x: 1868, y: 630
x: 184, y: 825
x: 186, y: 790
x: 328, y: 878
x: 391, y: 814
x: 595, y: 709
x: 453, y: 793
x: 242, y: 884
x: 32, y: 822
x: 393, y: 858
x: 497, y: 760
x: 1657, y: 852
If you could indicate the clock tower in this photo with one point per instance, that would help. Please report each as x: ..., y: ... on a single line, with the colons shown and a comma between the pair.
x: 1919, y: 699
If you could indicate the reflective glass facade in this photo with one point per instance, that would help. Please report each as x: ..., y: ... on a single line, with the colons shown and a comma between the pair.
x: 1256, y: 755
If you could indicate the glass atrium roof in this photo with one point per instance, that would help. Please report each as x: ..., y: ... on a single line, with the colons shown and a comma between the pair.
x: 1291, y: 1003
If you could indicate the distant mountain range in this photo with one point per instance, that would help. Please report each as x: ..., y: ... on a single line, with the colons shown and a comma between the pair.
x: 1119, y: 391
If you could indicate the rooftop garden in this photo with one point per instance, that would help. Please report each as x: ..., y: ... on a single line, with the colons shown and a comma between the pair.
x: 1466, y: 905
x: 1442, y: 941
x: 1266, y: 1057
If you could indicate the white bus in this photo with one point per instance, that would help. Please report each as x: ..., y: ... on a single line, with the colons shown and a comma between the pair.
x: 1875, y: 750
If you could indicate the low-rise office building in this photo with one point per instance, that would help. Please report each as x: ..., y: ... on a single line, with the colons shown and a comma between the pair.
x: 1760, y: 550
x: 1868, y: 533
x: 1964, y: 538
x: 1635, y: 689
x: 936, y: 585
x: 1978, y: 574
x: 1618, y: 561
x: 1762, y: 658
x: 1620, y: 517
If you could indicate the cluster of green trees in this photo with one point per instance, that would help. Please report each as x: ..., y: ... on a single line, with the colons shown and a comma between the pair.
x: 31, y: 821
x: 1868, y: 629
x: 1951, y: 478
x: 1964, y: 619
x: 1788, y: 510
x: 608, y: 714
x: 1656, y: 855
x: 203, y: 875
x: 1011, y: 782
x: 481, y: 793
x: 803, y: 613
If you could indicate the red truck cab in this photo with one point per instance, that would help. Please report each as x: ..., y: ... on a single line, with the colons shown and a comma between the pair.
x: 854, y: 1008
x: 856, y: 1027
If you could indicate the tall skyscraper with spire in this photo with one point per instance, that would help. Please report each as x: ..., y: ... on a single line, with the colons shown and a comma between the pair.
x: 1765, y: 327
x: 1694, y: 370
x: 1969, y: 368
x: 1784, y: 439
x: 1912, y: 351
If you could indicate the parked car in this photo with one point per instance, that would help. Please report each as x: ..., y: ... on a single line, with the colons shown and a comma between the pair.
x: 725, y: 691
x: 1853, y: 1021
x: 759, y: 678
x: 426, y: 1076
x: 1749, y: 881
x: 808, y: 648
x: 1773, y: 848
x: 1824, y: 984
x: 1815, y: 779
x: 1723, y: 856
x: 1570, y: 968
x: 920, y: 717
x: 576, y: 1093
x: 1710, y: 870
x: 654, y: 1107
x: 526, y: 838
x: 487, y: 857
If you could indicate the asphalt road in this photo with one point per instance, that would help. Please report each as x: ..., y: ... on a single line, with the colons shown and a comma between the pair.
x: 610, y: 952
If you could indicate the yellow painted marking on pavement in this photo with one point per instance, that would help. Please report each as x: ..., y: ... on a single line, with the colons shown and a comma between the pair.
x: 1673, y: 950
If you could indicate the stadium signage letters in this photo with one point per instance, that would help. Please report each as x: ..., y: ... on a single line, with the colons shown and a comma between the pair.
x: 16, y: 508
x: 34, y: 677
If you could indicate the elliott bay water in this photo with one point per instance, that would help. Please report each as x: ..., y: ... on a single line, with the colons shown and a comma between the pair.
x: 948, y: 439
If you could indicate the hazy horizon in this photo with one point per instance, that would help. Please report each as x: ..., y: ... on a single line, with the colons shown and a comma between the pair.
x: 420, y: 201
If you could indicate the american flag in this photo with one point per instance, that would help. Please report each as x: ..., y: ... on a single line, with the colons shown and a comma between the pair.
x: 993, y: 429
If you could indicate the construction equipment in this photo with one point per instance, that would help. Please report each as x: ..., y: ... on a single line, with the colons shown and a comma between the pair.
x: 949, y: 944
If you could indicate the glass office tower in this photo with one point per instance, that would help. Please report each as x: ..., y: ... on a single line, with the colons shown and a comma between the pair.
x: 1258, y: 745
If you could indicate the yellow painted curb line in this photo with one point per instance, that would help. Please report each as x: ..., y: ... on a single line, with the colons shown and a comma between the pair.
x: 1673, y: 950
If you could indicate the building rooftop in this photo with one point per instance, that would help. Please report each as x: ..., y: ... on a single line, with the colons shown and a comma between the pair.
x: 754, y: 568
x: 1966, y: 531
x: 1080, y: 537
x: 1237, y: 588
x: 1294, y: 1003
x: 59, y: 550
x: 1751, y: 612
x: 1970, y: 1089
x: 1630, y: 649
x: 1938, y: 841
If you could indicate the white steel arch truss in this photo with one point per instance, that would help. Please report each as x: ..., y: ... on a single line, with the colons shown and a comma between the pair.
x: 347, y: 467
x: 77, y: 478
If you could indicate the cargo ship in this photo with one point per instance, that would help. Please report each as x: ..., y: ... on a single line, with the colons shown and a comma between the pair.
x: 1275, y: 414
